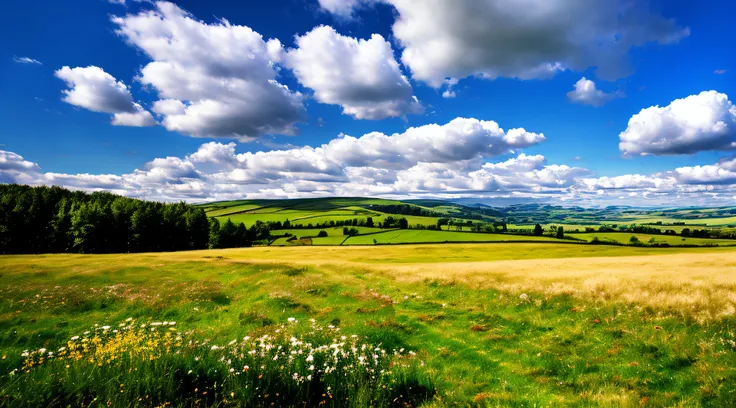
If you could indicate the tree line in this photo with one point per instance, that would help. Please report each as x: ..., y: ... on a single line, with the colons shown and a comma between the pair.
x: 53, y: 219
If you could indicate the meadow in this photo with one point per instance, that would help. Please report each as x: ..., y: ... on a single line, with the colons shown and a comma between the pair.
x: 674, y: 240
x: 483, y: 324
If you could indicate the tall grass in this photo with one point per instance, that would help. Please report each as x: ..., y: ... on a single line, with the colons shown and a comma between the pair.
x: 154, y: 364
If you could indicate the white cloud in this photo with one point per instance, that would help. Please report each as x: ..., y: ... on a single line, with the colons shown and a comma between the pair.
x: 459, y: 140
x: 26, y: 60
x: 528, y: 39
x: 723, y: 172
x: 10, y: 161
x: 450, y: 84
x: 362, y: 76
x: 214, y: 80
x: 372, y: 164
x: 343, y: 8
x: 585, y: 92
x: 702, y: 122
x: 139, y: 118
x: 94, y: 89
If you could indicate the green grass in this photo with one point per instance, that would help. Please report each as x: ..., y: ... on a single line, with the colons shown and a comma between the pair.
x: 708, y: 221
x: 625, y: 237
x: 428, y: 236
x: 477, y: 343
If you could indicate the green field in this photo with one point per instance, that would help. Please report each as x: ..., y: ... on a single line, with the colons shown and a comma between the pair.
x: 705, y: 221
x: 625, y: 237
x: 420, y: 236
x: 522, y: 217
x: 472, y: 324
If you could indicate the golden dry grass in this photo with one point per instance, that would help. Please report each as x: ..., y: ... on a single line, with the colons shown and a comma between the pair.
x: 696, y: 282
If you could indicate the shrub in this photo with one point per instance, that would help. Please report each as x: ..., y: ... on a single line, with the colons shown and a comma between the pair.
x: 322, y: 234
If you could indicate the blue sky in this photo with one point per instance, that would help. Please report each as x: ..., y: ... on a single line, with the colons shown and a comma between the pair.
x: 685, y: 50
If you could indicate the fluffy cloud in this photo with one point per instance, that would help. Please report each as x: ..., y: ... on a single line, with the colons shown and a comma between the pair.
x: 94, y: 89
x: 428, y: 158
x: 723, y: 172
x: 10, y: 161
x: 341, y: 8
x: 459, y: 140
x: 520, y: 39
x: 702, y: 122
x: 26, y: 60
x: 586, y: 93
x: 214, y: 80
x: 217, y: 172
x: 361, y: 76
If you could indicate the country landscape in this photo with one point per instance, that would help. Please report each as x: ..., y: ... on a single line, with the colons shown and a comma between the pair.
x: 367, y: 203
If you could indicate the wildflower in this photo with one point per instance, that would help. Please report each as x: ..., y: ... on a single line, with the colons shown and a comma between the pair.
x: 75, y: 338
x: 105, y: 327
x: 214, y: 348
x: 524, y: 297
x: 42, y: 350
x: 310, y: 358
x: 232, y: 370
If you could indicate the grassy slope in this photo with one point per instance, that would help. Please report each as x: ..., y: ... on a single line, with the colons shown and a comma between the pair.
x: 624, y: 237
x: 614, y: 328
x: 420, y: 236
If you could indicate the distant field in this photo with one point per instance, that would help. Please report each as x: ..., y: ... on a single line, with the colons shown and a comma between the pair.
x: 535, y: 324
x: 625, y: 237
x: 418, y: 236
x: 711, y: 222
x: 312, y: 232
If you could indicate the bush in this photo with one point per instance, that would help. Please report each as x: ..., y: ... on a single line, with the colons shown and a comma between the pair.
x: 322, y: 234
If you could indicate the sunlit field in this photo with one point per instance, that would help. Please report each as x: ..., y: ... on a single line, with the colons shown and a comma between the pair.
x: 493, y: 324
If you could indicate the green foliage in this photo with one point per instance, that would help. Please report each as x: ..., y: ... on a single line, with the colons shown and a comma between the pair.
x: 52, y: 219
x: 538, y: 230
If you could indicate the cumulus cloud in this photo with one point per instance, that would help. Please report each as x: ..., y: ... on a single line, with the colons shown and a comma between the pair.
x: 362, y: 76
x: 214, y: 80
x: 94, y: 89
x: 343, y: 8
x: 445, y: 156
x: 10, y: 161
x: 26, y: 60
x: 216, y: 172
x: 530, y: 39
x: 702, y: 122
x: 723, y: 172
x: 459, y: 140
x: 585, y: 92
